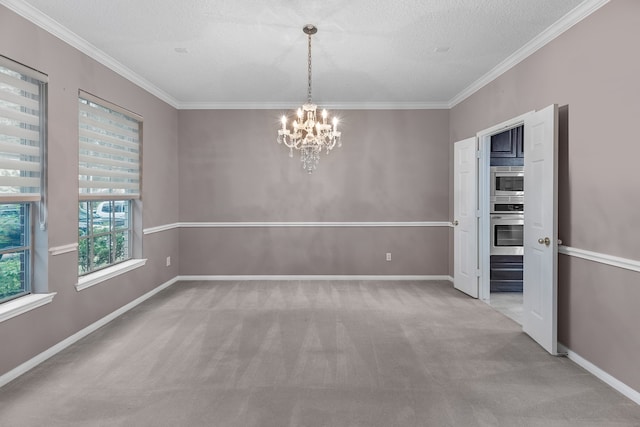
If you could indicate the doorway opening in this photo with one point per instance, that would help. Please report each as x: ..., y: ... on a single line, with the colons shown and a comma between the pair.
x: 501, y: 228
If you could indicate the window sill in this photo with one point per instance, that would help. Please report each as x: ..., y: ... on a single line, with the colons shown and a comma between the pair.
x: 93, y: 279
x: 23, y: 304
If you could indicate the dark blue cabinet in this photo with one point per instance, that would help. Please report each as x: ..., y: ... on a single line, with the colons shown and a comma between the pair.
x: 507, y: 148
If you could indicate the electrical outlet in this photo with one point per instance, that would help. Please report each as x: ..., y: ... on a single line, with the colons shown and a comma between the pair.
x: 168, y: 261
x: 388, y: 256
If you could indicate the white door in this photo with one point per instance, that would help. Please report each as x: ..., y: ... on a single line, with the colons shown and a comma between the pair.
x: 465, y: 231
x: 540, y: 286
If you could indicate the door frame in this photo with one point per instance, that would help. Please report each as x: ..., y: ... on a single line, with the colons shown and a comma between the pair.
x: 484, y: 181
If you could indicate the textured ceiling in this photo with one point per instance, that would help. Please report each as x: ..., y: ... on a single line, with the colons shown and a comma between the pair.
x: 236, y: 53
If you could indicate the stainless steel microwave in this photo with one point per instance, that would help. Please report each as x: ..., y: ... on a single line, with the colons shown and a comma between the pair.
x: 507, y: 181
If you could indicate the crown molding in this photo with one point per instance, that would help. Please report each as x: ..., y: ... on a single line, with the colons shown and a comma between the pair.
x: 58, y: 30
x: 233, y: 105
x: 387, y: 105
x: 293, y: 106
x: 576, y: 15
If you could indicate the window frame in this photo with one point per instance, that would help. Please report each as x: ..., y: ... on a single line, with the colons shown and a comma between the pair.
x: 24, y: 251
x: 23, y: 178
x: 114, y: 228
x: 105, y: 130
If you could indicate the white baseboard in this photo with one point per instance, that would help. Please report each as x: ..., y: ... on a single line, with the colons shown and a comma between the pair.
x: 615, y: 383
x: 311, y: 277
x: 52, y: 351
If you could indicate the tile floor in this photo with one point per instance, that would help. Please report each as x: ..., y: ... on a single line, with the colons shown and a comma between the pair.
x: 509, y: 304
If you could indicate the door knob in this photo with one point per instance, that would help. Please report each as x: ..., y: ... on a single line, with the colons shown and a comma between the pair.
x: 546, y: 241
x: 455, y: 223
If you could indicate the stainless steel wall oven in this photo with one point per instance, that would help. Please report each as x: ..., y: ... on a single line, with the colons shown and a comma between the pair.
x: 507, y: 234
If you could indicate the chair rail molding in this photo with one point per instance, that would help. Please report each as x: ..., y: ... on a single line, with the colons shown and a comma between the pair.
x: 615, y: 261
x: 294, y: 224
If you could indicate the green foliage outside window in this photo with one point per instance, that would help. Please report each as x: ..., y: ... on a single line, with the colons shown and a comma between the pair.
x: 12, y: 263
x: 10, y: 231
x: 10, y: 277
x: 101, y: 249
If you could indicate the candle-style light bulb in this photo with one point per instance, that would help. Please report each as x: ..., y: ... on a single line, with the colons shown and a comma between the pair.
x: 335, y: 124
x: 324, y: 117
x: 284, y: 122
x: 300, y: 113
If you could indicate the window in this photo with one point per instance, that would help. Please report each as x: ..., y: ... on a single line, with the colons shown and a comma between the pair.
x: 105, y: 234
x: 109, y: 182
x: 22, y: 176
x: 15, y: 250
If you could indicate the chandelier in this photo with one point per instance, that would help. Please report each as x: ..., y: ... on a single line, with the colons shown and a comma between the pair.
x: 308, y: 134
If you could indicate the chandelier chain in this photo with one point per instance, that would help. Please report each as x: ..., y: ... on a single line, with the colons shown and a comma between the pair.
x: 309, y: 72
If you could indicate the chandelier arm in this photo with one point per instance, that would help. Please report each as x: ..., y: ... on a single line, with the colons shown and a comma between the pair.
x: 288, y: 141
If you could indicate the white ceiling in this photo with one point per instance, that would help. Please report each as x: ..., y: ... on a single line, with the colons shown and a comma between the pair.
x: 253, y: 53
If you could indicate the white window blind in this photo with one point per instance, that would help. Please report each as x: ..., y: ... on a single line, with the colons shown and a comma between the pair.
x: 22, y: 132
x: 109, y: 163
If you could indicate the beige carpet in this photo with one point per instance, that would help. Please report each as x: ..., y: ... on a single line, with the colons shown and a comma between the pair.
x: 315, y: 354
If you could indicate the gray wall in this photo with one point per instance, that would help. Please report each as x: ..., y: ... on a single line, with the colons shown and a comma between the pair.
x: 29, y: 334
x: 592, y: 72
x: 393, y: 166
